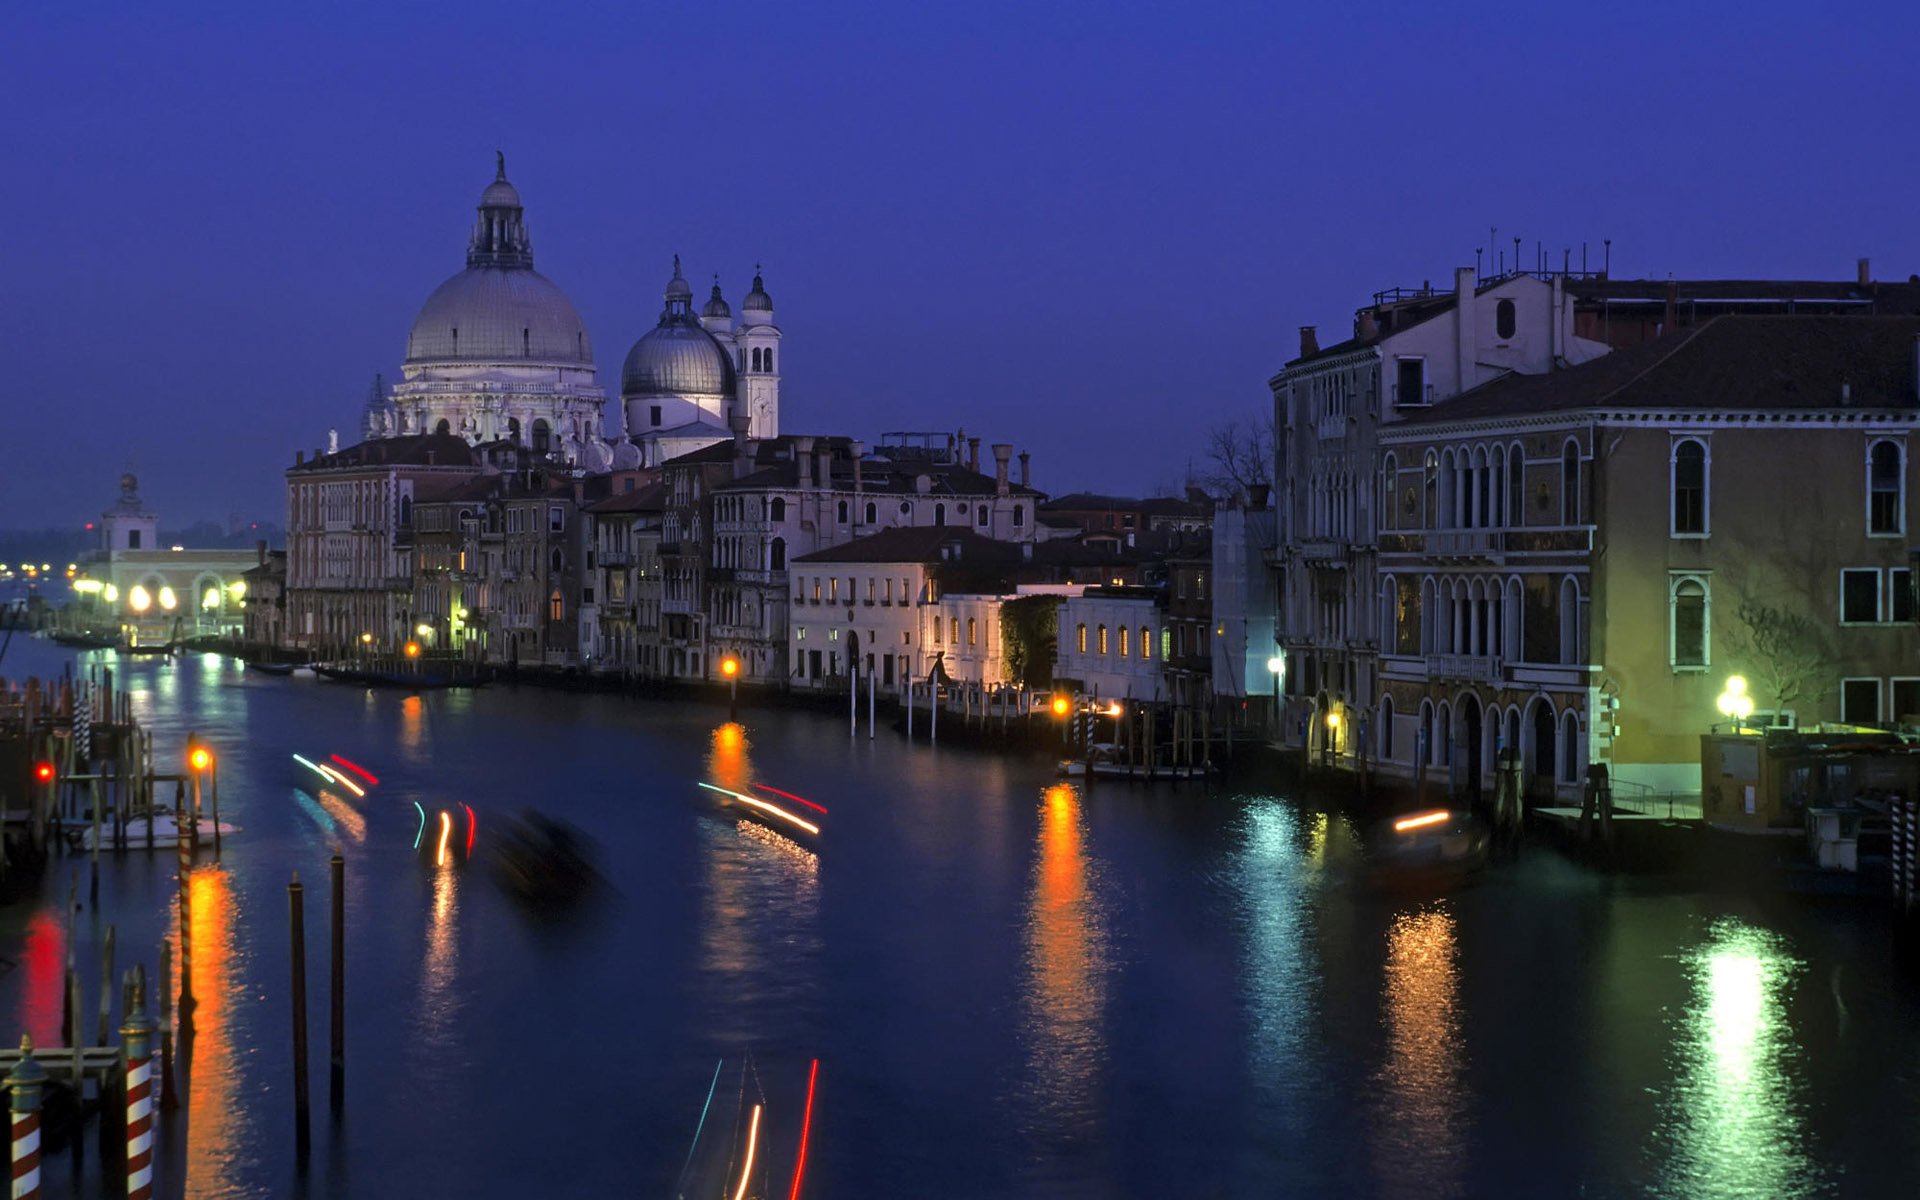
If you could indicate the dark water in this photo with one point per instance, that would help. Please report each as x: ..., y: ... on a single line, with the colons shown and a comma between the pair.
x: 1014, y: 988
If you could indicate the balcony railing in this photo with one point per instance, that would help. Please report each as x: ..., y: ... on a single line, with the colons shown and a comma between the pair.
x: 1464, y: 543
x: 616, y: 558
x: 1472, y: 668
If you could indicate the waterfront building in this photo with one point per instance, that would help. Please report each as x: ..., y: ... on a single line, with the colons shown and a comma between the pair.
x: 625, y: 528
x: 1245, y: 638
x: 1573, y: 564
x: 1412, y: 351
x: 1113, y: 642
x: 151, y: 592
x: 263, y: 600
x: 350, y: 575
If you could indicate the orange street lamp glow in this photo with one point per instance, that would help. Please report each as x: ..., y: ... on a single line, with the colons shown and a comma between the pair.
x: 413, y: 649
x: 43, y: 772
x: 1060, y: 706
x: 729, y: 667
x: 200, y: 758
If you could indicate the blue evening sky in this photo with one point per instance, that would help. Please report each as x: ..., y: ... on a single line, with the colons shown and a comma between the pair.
x: 1087, y: 229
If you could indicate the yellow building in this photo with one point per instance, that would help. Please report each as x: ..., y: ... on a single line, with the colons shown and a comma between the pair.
x: 1575, y: 563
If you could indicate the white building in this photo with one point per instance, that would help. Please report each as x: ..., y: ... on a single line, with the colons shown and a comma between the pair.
x: 1111, y: 642
x: 1245, y: 638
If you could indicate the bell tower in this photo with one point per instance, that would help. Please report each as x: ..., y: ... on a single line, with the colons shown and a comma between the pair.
x: 759, y: 348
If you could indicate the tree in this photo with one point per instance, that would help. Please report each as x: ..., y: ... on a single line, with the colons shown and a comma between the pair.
x: 1029, y: 638
x: 1238, y: 455
x: 1788, y: 653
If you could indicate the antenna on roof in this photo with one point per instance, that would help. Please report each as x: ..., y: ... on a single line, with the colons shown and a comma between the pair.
x: 1606, y: 263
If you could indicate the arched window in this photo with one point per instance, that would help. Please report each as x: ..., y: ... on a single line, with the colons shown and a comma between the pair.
x: 1503, y: 320
x: 1570, y: 484
x: 1126, y: 641
x: 755, y: 364
x: 542, y: 437
x: 840, y: 512
x: 973, y: 630
x: 1689, y: 488
x: 1688, y: 611
x: 406, y: 510
x: 1080, y: 638
x: 1019, y: 515
x: 939, y: 514
x: 873, y: 512
x: 1424, y: 751
x: 778, y: 560
x: 556, y: 606
x: 1386, y: 728
x: 1570, y: 747
x: 1449, y: 492
x: 778, y: 509
x: 1430, y: 510
x: 1389, y: 482
x: 1498, y: 516
x: 981, y: 515
x: 1102, y: 640
x: 1570, y: 649
x: 442, y: 426
x: 557, y: 560
x: 1516, y: 486
x: 513, y: 428
x: 767, y: 362
x: 1146, y: 642
x: 1886, y: 508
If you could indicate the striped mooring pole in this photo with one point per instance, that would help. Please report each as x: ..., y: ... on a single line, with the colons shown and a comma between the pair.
x: 27, y: 1081
x: 136, y: 1036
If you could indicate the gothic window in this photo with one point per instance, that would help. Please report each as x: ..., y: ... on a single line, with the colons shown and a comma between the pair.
x: 1516, y: 486
x: 778, y: 509
x: 841, y: 512
x: 1570, y: 484
x: 556, y: 606
x: 939, y: 514
x: 873, y: 512
x: 542, y: 437
x: 513, y: 428
x: 1689, y: 488
x: 1430, y: 514
x: 1886, y: 512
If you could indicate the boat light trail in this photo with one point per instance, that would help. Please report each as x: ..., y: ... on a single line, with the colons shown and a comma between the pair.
x: 806, y: 1127
x: 472, y: 824
x: 753, y: 1139
x: 703, y: 1116
x: 763, y: 806
x: 423, y: 825
x: 446, y: 828
x: 357, y: 769
x: 342, y: 780
x: 316, y: 768
x: 1432, y: 818
x: 789, y: 795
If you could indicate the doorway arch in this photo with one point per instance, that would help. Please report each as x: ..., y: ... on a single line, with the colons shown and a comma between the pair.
x: 1472, y: 742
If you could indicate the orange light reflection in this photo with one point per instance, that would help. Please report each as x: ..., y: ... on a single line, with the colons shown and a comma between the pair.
x: 1418, y: 1148
x: 1066, y: 966
x: 215, y: 1117
x: 344, y: 815
x: 727, y: 757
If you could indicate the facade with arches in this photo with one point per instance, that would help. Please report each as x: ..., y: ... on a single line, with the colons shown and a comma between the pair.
x: 1591, y: 554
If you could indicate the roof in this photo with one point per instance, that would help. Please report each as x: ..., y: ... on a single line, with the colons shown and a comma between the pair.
x: 1088, y: 500
x: 414, y: 450
x: 920, y: 544
x: 646, y: 499
x: 1730, y: 362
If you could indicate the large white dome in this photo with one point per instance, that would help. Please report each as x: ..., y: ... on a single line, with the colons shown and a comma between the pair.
x: 499, y: 314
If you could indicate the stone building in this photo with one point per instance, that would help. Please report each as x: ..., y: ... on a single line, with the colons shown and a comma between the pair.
x: 1574, y: 564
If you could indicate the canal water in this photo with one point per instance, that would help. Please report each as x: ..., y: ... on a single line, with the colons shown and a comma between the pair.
x: 1013, y: 987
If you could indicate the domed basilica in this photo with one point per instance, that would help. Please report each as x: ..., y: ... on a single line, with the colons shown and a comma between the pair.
x: 498, y: 352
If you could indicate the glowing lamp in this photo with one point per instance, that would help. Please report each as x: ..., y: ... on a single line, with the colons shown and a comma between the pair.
x: 366, y: 639
x: 729, y: 666
x: 211, y: 599
x: 112, y: 594
x: 1114, y: 709
x: 237, y: 588
x: 200, y: 758
x: 43, y: 772
x: 138, y: 599
x: 1333, y: 720
x: 168, y: 600
x: 412, y: 649
x: 1277, y: 665
x: 1735, y: 703
x: 1060, y: 706
x: 424, y: 630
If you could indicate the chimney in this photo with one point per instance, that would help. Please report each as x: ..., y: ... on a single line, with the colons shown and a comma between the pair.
x: 973, y: 454
x: 803, y: 458
x: 260, y: 551
x: 1001, y: 453
x: 1865, y: 268
x: 1673, y: 302
x: 1026, y: 469
x: 742, y: 450
x: 1466, y: 338
x: 299, y: 458
x: 1309, y: 341
x: 1368, y: 326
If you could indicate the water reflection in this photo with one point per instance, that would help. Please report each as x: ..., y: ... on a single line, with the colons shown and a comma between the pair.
x: 45, y: 963
x: 217, y: 1129
x: 1279, y: 964
x: 1734, y: 1122
x: 412, y: 726
x: 439, y: 977
x: 1420, y: 1143
x: 1066, y: 972
x: 727, y: 760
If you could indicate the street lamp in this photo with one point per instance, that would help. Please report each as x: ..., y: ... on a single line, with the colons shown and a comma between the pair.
x: 730, y: 667
x: 1278, y: 666
x: 1735, y: 703
x: 1333, y: 734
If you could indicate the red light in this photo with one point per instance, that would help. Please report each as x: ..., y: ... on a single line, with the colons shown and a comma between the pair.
x: 361, y: 771
x: 471, y: 826
x: 806, y: 1127
x: 89, y: 524
x: 789, y: 795
x: 43, y: 772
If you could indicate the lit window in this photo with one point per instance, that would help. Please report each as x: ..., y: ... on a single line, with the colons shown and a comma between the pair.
x: 1125, y: 642
x: 1146, y: 642
x: 556, y: 606
x: 972, y: 632
x: 955, y: 631
x: 1886, y: 512
x: 1103, y: 639
x: 1080, y: 638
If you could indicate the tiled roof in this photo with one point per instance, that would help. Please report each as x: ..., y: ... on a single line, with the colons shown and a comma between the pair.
x: 1735, y: 362
x: 919, y: 544
x: 415, y: 450
x: 647, y: 499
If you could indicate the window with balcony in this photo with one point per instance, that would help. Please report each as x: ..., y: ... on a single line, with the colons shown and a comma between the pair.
x: 1886, y: 493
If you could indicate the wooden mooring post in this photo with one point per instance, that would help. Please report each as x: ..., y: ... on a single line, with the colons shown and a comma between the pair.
x: 297, y: 944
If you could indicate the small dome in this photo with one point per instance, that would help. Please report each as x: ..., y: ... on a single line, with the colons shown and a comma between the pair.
x: 495, y: 314
x: 500, y: 194
x: 677, y: 287
x: 757, y: 300
x: 677, y: 358
x: 716, y: 304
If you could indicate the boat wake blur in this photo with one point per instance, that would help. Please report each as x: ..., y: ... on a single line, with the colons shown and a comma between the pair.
x: 1433, y: 849
x: 548, y: 864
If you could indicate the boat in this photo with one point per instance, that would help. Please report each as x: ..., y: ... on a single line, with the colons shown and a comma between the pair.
x: 148, y: 648
x: 415, y: 681
x: 778, y: 815
x: 1104, y: 761
x: 1433, y: 847
x: 85, y: 641
x: 166, y: 831
x: 544, y: 861
x: 733, y: 1140
x: 268, y: 668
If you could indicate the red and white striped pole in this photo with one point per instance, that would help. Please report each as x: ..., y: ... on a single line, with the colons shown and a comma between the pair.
x: 136, y: 1037
x: 27, y: 1080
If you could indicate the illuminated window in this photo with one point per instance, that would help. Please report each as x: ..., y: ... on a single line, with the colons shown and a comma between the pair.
x: 816, y: 589
x: 1103, y: 639
x: 1146, y: 642
x: 1886, y: 508
x: 556, y: 606
x: 1687, y: 602
x: 1689, y: 468
x: 1080, y: 637
x: 1166, y: 643
x: 833, y: 589
x: 1125, y: 642
x: 955, y: 630
x: 972, y: 632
